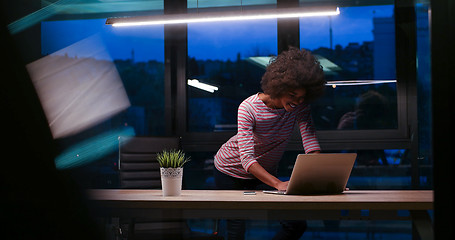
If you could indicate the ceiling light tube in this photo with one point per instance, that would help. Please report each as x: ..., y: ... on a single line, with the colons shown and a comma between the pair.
x: 223, y: 16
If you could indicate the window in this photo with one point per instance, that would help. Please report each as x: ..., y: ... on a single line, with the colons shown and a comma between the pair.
x: 365, y: 106
x: 357, y: 52
x: 136, y: 57
x: 231, y: 57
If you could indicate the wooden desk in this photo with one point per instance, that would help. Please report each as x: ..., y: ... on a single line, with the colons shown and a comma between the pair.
x: 216, y: 204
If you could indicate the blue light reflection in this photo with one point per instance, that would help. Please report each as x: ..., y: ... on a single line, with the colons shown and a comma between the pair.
x: 91, y: 149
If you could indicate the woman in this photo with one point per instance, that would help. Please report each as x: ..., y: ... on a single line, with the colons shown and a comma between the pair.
x: 249, y: 160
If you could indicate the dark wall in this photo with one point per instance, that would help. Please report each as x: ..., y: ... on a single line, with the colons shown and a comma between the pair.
x: 443, y: 65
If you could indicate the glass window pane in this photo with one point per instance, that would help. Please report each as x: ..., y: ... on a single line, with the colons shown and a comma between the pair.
x: 231, y: 57
x: 357, y: 52
x: 136, y: 57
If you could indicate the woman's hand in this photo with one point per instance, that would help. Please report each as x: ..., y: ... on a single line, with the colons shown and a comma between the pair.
x: 282, y: 186
x: 260, y: 173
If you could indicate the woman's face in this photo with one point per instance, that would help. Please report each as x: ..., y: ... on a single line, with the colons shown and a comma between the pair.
x: 290, y: 100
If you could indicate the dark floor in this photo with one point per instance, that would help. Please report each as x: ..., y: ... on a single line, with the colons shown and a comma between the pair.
x: 318, y: 229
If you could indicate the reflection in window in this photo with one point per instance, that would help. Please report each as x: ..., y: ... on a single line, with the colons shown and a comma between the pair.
x: 357, y: 51
x: 355, y: 48
x: 138, y: 56
x: 357, y: 107
x: 231, y: 57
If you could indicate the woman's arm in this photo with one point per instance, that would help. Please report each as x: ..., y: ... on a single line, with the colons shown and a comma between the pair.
x: 260, y: 173
x: 307, y: 130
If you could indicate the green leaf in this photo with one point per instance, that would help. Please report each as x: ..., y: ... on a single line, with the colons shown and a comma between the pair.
x: 172, y: 158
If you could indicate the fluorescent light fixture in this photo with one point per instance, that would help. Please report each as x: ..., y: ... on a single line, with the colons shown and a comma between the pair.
x: 203, y: 86
x: 334, y: 84
x: 224, y: 16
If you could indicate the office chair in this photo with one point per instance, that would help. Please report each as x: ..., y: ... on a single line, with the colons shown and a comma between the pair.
x: 139, y: 169
x: 137, y: 164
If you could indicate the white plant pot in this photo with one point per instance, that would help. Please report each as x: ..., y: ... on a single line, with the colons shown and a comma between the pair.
x: 171, y: 181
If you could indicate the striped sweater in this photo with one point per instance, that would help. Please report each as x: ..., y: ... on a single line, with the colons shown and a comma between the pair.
x: 262, y: 136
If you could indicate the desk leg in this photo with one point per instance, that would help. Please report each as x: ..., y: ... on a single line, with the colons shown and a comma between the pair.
x: 422, y: 224
x: 112, y: 230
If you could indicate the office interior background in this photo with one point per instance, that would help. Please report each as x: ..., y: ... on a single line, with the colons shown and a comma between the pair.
x: 386, y: 62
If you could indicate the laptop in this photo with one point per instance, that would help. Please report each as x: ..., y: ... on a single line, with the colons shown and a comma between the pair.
x: 322, y: 173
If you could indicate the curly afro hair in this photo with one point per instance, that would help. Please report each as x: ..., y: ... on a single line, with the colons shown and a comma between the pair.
x: 294, y: 69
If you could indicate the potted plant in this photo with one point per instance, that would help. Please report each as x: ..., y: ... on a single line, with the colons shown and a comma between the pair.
x: 171, y: 168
